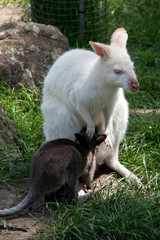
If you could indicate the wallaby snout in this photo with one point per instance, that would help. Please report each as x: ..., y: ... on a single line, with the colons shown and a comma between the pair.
x: 133, y: 85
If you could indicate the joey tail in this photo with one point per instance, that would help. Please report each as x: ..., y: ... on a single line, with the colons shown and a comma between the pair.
x: 29, y: 199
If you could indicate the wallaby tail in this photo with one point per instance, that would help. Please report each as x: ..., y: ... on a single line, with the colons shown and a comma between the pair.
x: 25, y: 203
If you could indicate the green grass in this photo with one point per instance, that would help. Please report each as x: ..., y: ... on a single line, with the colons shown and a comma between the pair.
x: 19, y: 3
x: 126, y: 213
x: 23, y: 106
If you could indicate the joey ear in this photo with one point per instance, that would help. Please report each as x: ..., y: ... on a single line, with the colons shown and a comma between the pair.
x: 100, y: 138
x: 119, y: 37
x: 80, y: 138
x: 101, y: 49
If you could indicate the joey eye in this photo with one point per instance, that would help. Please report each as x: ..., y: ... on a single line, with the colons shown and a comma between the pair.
x: 118, y: 72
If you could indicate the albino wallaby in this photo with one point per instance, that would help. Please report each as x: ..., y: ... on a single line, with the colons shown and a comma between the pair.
x: 85, y: 89
x: 58, y: 164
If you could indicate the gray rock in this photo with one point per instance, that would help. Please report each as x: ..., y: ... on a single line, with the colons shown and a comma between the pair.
x: 27, y: 50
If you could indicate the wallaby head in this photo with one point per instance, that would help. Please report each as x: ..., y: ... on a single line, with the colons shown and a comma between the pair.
x: 92, y: 143
x: 118, y: 66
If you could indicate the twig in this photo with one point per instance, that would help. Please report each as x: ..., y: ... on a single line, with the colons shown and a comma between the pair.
x: 142, y: 111
x: 11, y: 228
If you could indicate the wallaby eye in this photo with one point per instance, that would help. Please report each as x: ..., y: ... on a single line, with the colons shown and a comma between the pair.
x: 118, y: 72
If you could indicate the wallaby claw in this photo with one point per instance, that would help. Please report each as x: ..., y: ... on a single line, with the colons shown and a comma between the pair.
x: 90, y: 133
x: 107, y: 143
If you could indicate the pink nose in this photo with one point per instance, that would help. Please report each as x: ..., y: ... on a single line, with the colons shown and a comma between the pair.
x: 134, y: 85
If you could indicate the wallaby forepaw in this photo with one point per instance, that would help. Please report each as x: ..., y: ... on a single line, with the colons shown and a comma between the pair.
x: 90, y: 132
x: 108, y: 144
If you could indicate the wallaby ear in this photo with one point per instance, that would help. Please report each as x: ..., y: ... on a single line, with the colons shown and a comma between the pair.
x: 100, y: 138
x: 101, y: 49
x: 119, y: 37
x: 80, y: 138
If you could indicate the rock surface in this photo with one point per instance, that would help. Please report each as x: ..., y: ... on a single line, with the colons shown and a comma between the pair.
x: 27, y: 50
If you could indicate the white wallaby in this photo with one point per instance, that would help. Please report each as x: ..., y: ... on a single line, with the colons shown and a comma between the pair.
x: 85, y: 89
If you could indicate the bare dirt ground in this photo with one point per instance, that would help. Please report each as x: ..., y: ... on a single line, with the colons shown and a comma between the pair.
x: 23, y: 225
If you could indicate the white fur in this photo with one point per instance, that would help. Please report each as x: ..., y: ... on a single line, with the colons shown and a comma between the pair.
x: 82, y: 89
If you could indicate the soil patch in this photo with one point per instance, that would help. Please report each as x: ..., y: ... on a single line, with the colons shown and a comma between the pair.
x: 23, y: 225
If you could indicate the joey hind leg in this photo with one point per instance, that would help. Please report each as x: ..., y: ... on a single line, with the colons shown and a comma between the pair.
x: 59, y: 195
x: 70, y: 189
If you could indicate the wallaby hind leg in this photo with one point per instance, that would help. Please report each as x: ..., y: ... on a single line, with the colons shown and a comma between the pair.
x: 70, y: 189
x: 115, y: 165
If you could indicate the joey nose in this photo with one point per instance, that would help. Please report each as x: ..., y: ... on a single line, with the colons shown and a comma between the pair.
x: 134, y: 85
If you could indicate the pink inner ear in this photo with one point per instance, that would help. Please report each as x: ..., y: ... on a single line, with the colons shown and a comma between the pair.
x: 119, y: 37
x: 98, y: 49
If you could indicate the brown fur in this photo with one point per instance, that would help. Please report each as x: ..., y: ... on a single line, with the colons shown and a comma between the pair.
x: 58, y: 164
